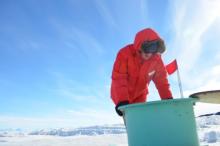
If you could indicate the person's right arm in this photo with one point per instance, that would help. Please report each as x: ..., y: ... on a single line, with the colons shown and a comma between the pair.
x: 120, y: 78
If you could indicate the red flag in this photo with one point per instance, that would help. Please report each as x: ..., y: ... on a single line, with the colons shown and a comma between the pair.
x: 171, y: 67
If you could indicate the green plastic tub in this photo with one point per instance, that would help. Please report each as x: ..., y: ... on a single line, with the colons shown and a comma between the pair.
x: 161, y: 123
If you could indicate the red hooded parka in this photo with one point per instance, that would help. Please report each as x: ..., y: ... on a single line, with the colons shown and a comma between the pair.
x: 131, y: 74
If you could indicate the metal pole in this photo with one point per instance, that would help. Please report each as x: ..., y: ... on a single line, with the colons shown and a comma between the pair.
x: 180, y: 84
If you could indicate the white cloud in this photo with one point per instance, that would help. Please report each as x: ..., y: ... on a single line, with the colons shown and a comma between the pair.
x: 82, y: 93
x: 30, y: 123
x: 68, y: 88
x: 205, y: 108
x: 144, y: 12
x: 68, y: 119
x: 91, y: 116
x: 206, y: 81
x: 27, y: 45
x: 191, y: 21
x: 217, y: 56
x: 85, y: 42
x: 105, y: 13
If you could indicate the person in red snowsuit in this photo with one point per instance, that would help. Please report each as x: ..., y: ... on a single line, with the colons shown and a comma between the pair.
x: 135, y: 66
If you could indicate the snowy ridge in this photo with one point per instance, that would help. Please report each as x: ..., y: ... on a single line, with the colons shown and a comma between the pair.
x: 89, y: 131
x: 11, y: 132
x: 208, y: 121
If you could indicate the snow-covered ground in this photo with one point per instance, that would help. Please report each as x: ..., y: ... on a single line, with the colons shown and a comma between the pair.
x: 39, y: 140
x: 208, y: 131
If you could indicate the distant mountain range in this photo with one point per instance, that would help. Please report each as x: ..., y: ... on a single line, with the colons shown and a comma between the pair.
x: 89, y: 131
x: 203, y: 121
x: 205, y: 115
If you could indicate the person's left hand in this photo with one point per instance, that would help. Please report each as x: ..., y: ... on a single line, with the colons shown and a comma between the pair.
x: 168, y: 98
x: 120, y: 104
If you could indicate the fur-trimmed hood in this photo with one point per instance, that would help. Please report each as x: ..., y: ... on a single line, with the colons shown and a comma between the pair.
x: 148, y: 34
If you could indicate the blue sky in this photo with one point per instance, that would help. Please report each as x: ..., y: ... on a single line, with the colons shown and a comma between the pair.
x: 56, y: 57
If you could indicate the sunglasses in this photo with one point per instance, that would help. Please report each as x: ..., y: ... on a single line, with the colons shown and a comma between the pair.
x: 150, y: 46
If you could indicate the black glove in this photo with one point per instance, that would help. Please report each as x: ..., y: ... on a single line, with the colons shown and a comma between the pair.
x: 168, y: 98
x: 120, y: 104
